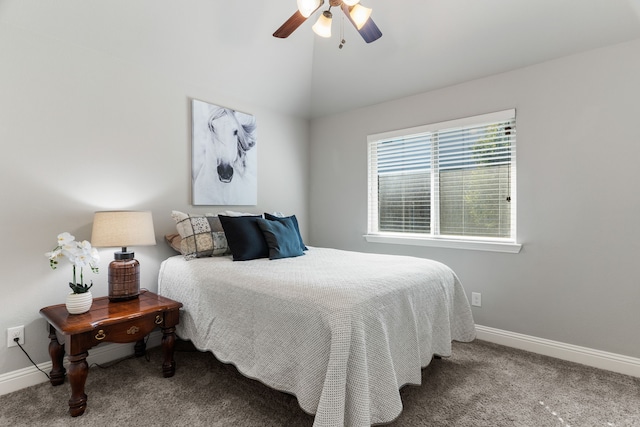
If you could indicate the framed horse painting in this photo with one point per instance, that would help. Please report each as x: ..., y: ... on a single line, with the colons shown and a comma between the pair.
x: 224, y: 156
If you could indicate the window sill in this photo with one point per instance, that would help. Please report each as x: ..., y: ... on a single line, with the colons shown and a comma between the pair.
x: 475, y: 245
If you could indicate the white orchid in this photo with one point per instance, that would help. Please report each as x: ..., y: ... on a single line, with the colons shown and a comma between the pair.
x: 79, y: 254
x: 65, y: 239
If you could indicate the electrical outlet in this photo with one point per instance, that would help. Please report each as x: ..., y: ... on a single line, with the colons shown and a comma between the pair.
x: 476, y: 299
x: 13, y: 333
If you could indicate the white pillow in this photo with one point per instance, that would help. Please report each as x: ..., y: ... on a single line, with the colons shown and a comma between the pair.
x: 234, y: 213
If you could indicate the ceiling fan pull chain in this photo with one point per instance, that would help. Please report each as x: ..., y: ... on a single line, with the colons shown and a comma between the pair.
x: 342, y: 40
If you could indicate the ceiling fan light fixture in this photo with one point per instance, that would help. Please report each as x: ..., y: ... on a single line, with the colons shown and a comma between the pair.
x: 351, y: 2
x: 307, y: 7
x: 322, y: 27
x: 360, y: 15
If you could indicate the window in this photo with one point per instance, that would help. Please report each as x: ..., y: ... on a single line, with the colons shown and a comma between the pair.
x: 445, y: 182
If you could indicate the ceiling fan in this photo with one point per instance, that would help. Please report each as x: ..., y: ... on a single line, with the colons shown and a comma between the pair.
x: 355, y: 12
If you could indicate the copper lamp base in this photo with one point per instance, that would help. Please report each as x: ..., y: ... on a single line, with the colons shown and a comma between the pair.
x: 124, y: 277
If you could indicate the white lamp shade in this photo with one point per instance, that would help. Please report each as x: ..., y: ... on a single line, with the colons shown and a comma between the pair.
x: 307, y: 7
x: 351, y: 2
x: 322, y: 27
x: 122, y: 229
x: 360, y: 15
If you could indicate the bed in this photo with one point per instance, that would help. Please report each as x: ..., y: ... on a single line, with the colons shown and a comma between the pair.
x: 342, y: 331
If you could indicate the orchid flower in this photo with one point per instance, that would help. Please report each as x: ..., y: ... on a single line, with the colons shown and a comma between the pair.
x: 79, y: 254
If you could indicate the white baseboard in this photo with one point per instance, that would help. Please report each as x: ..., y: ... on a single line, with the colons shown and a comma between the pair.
x: 16, y: 380
x: 573, y: 353
x: 105, y: 353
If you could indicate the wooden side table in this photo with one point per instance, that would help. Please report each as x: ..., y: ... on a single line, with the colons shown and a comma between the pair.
x: 120, y: 322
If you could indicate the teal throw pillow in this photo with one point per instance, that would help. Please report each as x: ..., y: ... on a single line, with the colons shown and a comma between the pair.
x: 282, y: 238
x: 288, y: 220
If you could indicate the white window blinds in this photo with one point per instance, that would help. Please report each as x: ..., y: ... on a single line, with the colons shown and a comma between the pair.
x: 452, y: 179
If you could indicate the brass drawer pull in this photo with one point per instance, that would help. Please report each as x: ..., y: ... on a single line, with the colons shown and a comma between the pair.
x: 158, y: 319
x: 100, y: 335
x: 133, y: 330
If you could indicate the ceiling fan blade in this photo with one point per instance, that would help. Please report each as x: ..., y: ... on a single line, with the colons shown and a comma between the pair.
x: 290, y: 25
x: 369, y: 31
x: 293, y: 23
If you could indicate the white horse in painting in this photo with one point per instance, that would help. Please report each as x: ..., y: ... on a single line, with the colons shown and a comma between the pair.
x: 222, y: 171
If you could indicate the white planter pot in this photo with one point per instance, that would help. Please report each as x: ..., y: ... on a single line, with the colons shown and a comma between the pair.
x: 79, y: 303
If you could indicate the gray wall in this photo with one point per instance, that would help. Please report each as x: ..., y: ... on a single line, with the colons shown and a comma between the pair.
x: 95, y: 115
x: 578, y: 144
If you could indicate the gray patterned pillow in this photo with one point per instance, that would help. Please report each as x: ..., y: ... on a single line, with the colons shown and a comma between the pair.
x: 202, y: 235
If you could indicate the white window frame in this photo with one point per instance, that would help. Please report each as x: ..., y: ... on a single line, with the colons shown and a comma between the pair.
x: 506, y: 245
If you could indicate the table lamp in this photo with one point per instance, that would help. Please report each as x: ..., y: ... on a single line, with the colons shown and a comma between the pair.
x: 123, y: 229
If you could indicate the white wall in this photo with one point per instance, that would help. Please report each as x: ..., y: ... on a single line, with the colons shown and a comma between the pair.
x: 95, y: 118
x: 578, y: 143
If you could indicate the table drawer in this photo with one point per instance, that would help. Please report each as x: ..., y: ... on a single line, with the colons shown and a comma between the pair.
x: 129, y: 331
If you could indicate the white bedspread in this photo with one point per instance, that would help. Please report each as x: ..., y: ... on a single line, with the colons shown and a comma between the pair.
x: 342, y: 331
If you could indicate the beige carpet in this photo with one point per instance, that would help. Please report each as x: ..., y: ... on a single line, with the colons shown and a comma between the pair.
x: 482, y: 384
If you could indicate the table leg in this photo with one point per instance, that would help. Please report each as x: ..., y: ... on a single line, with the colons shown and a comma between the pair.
x: 140, y: 348
x: 56, y: 352
x: 78, y: 371
x: 168, y: 342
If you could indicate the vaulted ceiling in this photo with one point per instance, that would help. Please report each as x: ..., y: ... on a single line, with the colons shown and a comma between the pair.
x: 426, y: 44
